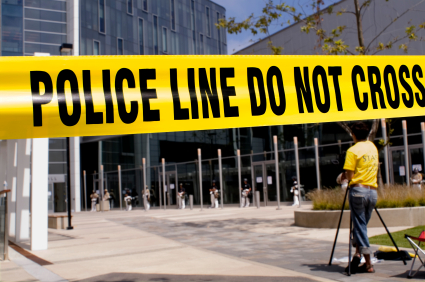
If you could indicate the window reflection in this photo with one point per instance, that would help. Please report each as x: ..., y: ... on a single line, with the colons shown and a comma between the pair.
x: 102, y: 16
x: 120, y: 46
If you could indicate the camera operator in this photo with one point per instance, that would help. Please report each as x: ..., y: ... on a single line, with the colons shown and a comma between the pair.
x: 361, y: 168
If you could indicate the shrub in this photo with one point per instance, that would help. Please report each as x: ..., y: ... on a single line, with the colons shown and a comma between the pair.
x: 392, y: 196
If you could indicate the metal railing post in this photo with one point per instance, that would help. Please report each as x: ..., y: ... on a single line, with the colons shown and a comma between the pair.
x: 6, y: 230
x: 384, y: 136
x: 163, y: 183
x: 85, y: 189
x: 406, y: 152
x: 297, y: 167
x: 191, y: 202
x: 276, y: 159
x: 145, y: 199
x: 239, y: 177
x: 316, y: 156
x: 220, y: 173
x: 257, y: 199
x: 101, y: 187
x: 159, y: 192
x: 423, y: 141
x: 200, y: 178
x: 120, y: 186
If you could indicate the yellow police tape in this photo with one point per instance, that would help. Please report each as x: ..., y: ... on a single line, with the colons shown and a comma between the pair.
x: 109, y: 95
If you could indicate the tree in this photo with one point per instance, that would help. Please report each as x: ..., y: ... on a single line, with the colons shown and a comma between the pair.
x: 328, y: 42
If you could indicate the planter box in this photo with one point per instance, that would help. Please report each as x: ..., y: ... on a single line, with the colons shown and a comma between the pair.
x: 58, y: 221
x: 392, y: 217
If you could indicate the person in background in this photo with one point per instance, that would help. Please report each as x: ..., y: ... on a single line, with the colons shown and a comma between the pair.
x: 94, y: 196
x: 416, y: 179
x: 153, y: 196
x: 147, y: 197
x: 213, y: 195
x: 127, y: 201
x: 361, y: 169
x: 182, y: 194
x: 106, y: 198
x: 112, y: 199
x: 246, y: 190
x: 295, y: 189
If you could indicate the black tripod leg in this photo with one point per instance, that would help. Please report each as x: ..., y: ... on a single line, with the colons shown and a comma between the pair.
x: 389, y: 234
x: 337, y: 230
x: 349, y: 249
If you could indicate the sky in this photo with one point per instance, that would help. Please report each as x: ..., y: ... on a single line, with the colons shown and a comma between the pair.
x: 242, y: 9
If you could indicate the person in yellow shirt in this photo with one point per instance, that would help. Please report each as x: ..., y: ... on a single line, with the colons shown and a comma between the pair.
x: 361, y: 169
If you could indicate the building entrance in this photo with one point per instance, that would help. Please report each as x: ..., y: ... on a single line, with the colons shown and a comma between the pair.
x: 170, y: 187
x: 56, y: 195
x: 398, y: 172
x: 265, y: 181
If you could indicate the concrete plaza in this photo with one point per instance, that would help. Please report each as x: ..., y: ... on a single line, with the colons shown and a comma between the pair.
x: 191, y: 245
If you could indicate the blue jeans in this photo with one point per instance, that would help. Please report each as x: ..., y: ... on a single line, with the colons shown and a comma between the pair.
x: 362, y: 202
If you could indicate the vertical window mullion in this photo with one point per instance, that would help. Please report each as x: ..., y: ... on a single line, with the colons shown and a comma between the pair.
x: 164, y: 40
x: 192, y: 9
x: 173, y: 15
x: 207, y: 12
x: 141, y: 37
x: 219, y: 34
x: 155, y: 34
x: 101, y: 13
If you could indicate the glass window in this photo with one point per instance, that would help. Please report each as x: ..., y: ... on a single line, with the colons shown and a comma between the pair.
x: 218, y: 34
x: 173, y: 15
x: 44, y: 37
x: 11, y: 36
x: 45, y: 15
x: 130, y: 7
x: 145, y: 5
x: 46, y: 4
x: 164, y: 40
x: 201, y: 44
x: 207, y: 11
x: 102, y: 16
x: 192, y: 12
x: 96, y: 47
x: 155, y: 34
x: 31, y: 48
x: 224, y: 33
x: 141, y: 38
x: 120, y: 46
x: 45, y: 26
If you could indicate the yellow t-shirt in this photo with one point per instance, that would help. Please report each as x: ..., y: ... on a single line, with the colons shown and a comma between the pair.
x: 362, y: 158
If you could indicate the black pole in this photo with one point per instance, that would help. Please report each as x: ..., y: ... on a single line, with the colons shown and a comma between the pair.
x: 69, y: 185
x: 339, y: 224
x: 349, y: 248
x: 389, y: 234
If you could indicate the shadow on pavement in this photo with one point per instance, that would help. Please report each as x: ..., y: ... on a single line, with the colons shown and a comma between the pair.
x: 334, y: 268
x: 133, y: 277
x: 419, y: 276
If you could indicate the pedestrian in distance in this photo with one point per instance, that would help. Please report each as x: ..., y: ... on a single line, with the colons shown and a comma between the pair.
x: 246, y: 190
x: 416, y: 179
x: 94, y: 196
x: 106, y: 198
x: 295, y: 189
x: 214, y: 195
x: 182, y: 195
x: 147, y: 198
x: 361, y: 169
x: 127, y: 201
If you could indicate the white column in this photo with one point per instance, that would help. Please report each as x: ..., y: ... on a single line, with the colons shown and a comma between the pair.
x: 23, y: 190
x: 12, y: 164
x: 39, y: 188
x: 3, y: 162
x: 73, y: 25
x: 75, y: 174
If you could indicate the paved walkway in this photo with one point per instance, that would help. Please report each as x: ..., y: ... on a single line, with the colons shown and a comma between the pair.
x: 210, y: 245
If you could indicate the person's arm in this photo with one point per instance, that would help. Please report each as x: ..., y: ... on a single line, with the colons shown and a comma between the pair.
x: 349, y: 166
x: 349, y: 174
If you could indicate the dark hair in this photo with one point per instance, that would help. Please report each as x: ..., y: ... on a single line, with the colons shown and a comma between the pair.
x: 360, y: 130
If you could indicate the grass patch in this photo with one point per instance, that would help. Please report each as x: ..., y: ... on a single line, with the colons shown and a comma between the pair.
x: 384, y: 240
x: 393, y: 196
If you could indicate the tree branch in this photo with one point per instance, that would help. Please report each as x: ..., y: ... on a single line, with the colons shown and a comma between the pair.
x: 373, y: 130
x: 345, y: 127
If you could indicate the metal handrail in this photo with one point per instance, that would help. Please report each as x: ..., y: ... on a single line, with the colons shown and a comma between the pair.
x: 6, y: 227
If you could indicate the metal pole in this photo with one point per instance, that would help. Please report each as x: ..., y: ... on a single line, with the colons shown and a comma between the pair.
x: 276, y: 159
x: 406, y: 152
x: 221, y: 177
x: 200, y: 178
x: 145, y: 199
x: 423, y: 141
x: 316, y: 155
x: 297, y: 167
x: 159, y: 192
x: 257, y: 199
x: 85, y: 189
x: 101, y: 187
x: 6, y: 230
x: 69, y: 184
x: 163, y: 183
x: 177, y: 187
x: 191, y: 202
x: 239, y: 176
x: 120, y: 186
x: 384, y: 136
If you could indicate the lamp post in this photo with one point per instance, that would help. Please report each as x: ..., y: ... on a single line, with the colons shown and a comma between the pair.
x: 67, y: 48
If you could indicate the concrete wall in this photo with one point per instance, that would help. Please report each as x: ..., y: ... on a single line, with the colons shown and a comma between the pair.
x: 392, y: 217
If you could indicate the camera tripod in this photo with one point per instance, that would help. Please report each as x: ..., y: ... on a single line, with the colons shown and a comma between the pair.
x: 351, y: 228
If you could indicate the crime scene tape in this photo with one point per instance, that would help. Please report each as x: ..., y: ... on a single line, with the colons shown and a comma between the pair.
x: 109, y: 95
